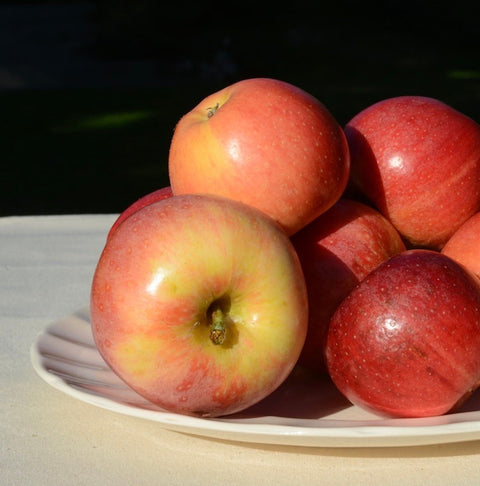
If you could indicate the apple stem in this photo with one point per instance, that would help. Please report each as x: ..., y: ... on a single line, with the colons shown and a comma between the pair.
x: 217, y: 327
x: 211, y: 110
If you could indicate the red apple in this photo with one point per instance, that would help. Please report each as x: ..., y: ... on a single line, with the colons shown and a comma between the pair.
x: 199, y: 304
x: 337, y: 251
x: 464, y: 245
x: 266, y: 143
x: 418, y: 160
x: 145, y: 200
x: 406, y: 341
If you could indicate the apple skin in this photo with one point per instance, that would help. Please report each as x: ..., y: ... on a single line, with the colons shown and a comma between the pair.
x: 159, y: 279
x: 266, y: 143
x: 406, y: 341
x: 145, y: 200
x: 337, y: 250
x: 464, y: 245
x: 418, y: 160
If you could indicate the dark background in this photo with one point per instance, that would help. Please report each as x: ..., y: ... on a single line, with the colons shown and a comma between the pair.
x: 90, y: 92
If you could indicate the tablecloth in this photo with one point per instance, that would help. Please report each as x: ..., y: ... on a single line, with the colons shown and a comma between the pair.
x: 50, y: 438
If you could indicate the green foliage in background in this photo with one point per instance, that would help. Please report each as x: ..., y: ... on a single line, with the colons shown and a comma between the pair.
x: 97, y: 150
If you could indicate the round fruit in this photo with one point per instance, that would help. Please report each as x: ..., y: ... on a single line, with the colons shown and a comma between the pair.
x: 418, y: 160
x: 199, y: 304
x: 406, y: 341
x: 266, y: 143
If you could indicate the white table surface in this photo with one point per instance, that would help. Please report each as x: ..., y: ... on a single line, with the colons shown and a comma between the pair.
x: 50, y: 438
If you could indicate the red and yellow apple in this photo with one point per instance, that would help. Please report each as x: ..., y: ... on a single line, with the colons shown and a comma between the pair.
x: 418, y: 160
x: 337, y: 250
x: 464, y: 245
x: 266, y: 143
x: 199, y: 304
x: 158, y: 195
x: 406, y: 341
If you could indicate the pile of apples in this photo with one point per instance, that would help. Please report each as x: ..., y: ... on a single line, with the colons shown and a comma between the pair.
x: 284, y: 241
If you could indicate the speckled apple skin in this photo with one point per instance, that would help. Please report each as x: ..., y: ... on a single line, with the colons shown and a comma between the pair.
x: 406, y: 341
x: 418, y: 160
x: 264, y: 142
x: 337, y: 250
x: 155, y: 281
x: 464, y: 245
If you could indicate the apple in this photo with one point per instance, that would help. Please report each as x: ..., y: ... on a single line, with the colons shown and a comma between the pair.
x: 418, y: 160
x: 145, y: 200
x: 266, y: 143
x: 337, y: 250
x: 199, y: 304
x: 406, y: 341
x: 464, y: 245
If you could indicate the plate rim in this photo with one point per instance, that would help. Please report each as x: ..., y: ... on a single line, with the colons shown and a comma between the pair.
x: 360, y: 433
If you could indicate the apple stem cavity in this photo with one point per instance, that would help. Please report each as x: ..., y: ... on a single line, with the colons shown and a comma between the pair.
x: 217, y: 327
x: 211, y: 110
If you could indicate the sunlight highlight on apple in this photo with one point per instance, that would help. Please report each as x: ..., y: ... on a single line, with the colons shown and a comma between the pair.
x: 234, y: 150
x: 396, y: 162
x: 157, y: 278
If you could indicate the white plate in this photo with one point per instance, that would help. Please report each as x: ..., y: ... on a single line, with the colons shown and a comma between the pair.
x: 304, y: 411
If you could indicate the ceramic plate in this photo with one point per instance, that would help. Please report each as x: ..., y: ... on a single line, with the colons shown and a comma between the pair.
x: 304, y: 411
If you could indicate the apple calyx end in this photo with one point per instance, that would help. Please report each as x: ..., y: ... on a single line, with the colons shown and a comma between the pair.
x: 217, y: 327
